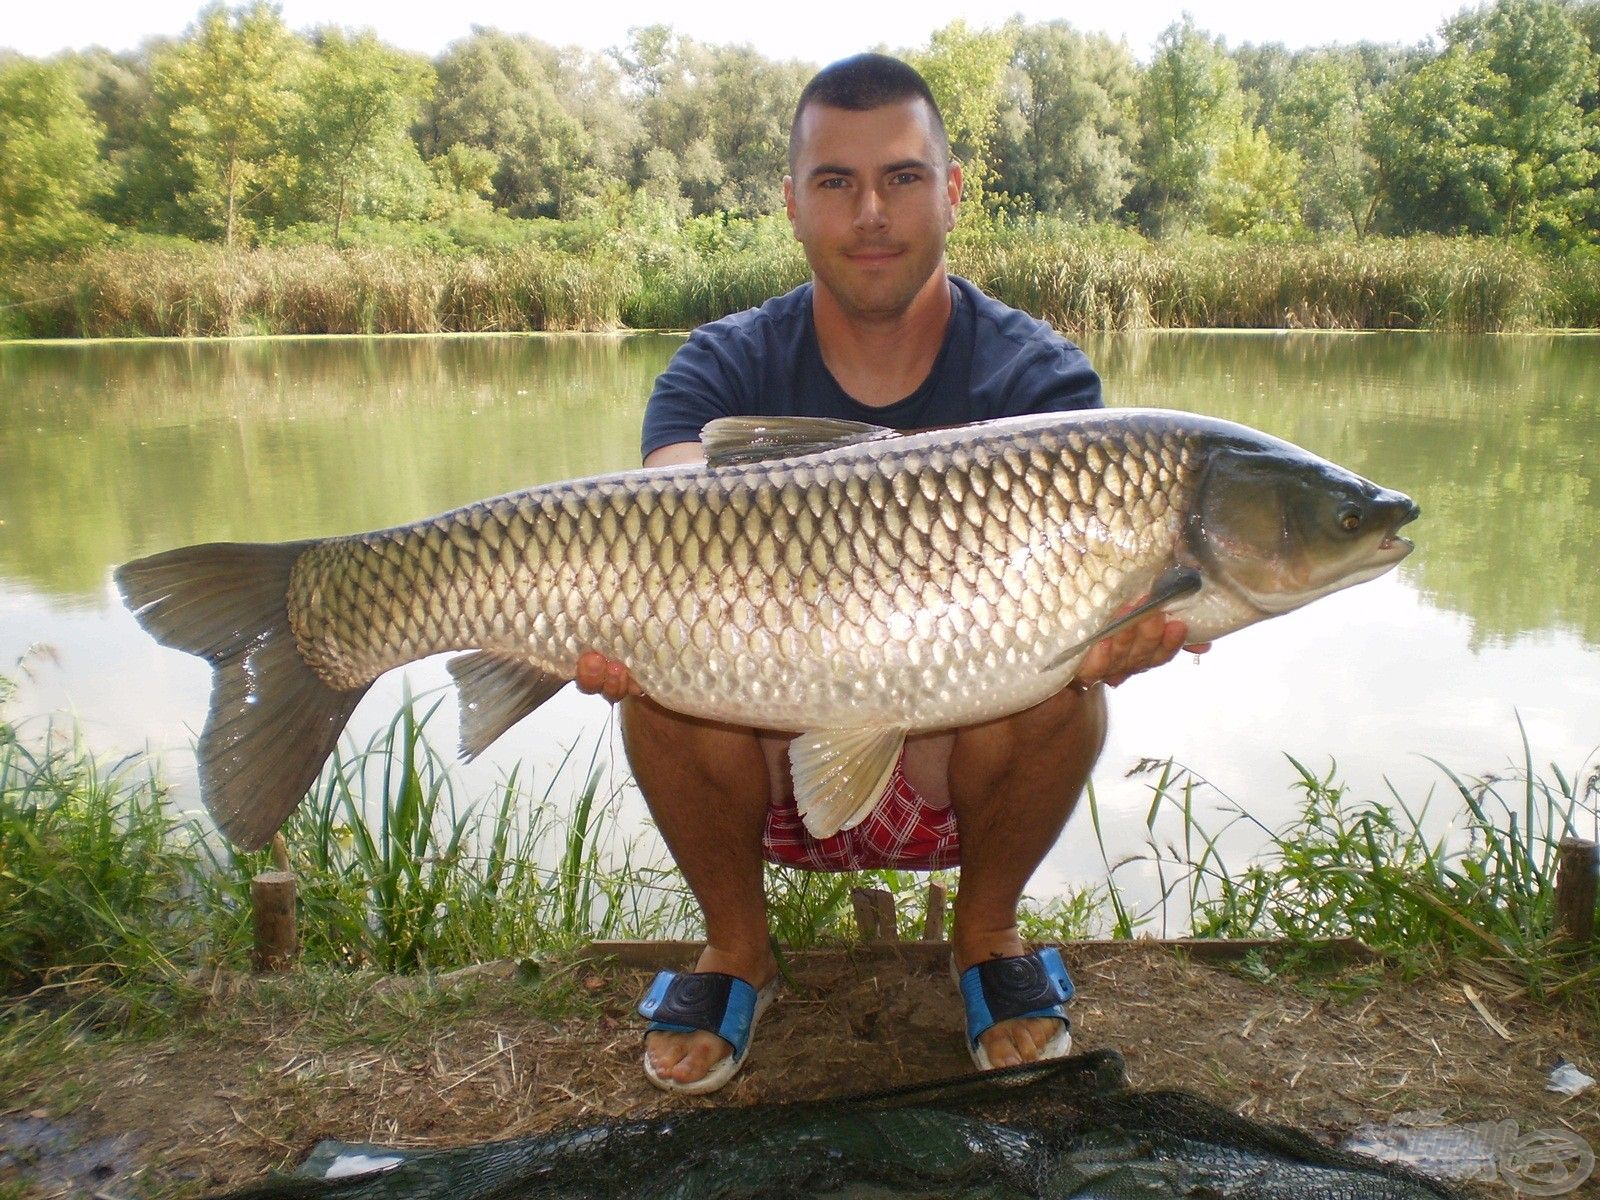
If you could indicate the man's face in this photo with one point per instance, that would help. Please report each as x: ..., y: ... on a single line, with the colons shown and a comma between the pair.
x: 871, y: 199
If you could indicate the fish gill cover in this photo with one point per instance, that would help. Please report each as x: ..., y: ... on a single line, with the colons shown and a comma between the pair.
x: 1069, y: 1128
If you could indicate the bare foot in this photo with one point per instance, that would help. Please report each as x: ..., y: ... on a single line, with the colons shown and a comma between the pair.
x: 1022, y: 1039
x: 687, y: 1057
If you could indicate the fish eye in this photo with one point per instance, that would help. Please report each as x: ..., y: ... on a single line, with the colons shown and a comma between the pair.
x: 1350, y: 518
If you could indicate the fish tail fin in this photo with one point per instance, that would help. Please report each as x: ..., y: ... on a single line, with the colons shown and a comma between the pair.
x: 273, y: 722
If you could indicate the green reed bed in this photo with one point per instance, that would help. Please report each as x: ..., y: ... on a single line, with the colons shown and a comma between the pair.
x: 578, y: 276
x: 1418, y: 283
x: 177, y: 290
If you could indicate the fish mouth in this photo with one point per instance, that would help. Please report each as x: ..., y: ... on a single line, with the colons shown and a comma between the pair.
x: 1408, y: 512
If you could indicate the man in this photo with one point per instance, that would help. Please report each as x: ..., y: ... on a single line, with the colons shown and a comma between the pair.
x: 882, y: 334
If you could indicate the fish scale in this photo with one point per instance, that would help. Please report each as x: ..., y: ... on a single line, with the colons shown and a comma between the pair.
x: 841, y: 553
x: 815, y: 576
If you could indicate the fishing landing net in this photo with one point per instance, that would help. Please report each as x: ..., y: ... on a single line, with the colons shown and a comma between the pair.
x: 1067, y: 1128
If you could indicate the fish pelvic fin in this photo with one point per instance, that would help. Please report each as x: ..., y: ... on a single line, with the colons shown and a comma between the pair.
x: 497, y: 691
x: 729, y: 441
x: 273, y: 722
x: 1175, y: 583
x: 839, y: 775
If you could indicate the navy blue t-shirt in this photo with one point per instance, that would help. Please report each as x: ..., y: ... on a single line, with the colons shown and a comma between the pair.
x: 765, y: 362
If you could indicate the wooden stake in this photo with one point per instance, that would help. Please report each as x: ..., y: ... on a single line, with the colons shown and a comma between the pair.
x: 272, y: 900
x: 888, y: 926
x: 866, y: 913
x: 933, y: 925
x: 1577, y: 866
x: 874, y: 908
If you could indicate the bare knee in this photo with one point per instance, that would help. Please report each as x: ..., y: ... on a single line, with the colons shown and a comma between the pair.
x: 1040, y: 757
x: 669, y: 749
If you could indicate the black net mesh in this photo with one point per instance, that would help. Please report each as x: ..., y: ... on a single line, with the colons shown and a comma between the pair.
x: 1068, y: 1128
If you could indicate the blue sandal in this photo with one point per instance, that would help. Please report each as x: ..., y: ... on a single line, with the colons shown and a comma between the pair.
x: 689, y: 1001
x: 1003, y: 989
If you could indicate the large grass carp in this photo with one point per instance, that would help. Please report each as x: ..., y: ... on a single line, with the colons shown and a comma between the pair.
x: 823, y: 577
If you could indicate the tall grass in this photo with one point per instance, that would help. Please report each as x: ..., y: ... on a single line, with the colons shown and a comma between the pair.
x: 100, y: 882
x: 93, y: 867
x: 578, y: 275
x: 395, y: 873
x: 1481, y: 887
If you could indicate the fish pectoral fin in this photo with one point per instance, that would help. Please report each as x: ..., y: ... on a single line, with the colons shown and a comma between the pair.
x: 732, y: 440
x: 497, y: 691
x: 840, y: 773
x: 1173, y: 584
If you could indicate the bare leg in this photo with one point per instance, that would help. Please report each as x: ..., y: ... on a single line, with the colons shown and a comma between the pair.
x: 1013, y: 783
x: 707, y: 788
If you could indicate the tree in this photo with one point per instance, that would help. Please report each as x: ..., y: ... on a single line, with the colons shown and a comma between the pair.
x: 361, y: 98
x: 501, y: 92
x: 50, y: 168
x: 1541, y: 68
x: 1254, y: 186
x: 1068, y: 123
x: 966, y: 71
x: 1491, y: 136
x: 227, y: 95
x: 1320, y: 116
x: 1428, y: 135
x: 749, y: 102
x: 721, y: 112
x: 1264, y: 73
x: 1189, y: 106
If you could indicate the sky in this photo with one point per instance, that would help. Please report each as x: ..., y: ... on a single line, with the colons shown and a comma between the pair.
x: 816, y: 31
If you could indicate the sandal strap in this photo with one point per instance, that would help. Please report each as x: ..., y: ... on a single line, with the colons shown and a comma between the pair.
x: 1026, y: 985
x: 686, y: 1001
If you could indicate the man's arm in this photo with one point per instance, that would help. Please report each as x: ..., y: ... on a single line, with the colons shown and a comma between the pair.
x: 676, y: 453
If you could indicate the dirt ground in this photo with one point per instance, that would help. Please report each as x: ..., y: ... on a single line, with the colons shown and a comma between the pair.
x: 266, y: 1069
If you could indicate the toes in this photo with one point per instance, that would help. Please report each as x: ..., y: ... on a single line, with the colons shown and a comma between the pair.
x: 684, y: 1057
x: 1013, y: 1042
x: 702, y: 1056
x: 665, y: 1050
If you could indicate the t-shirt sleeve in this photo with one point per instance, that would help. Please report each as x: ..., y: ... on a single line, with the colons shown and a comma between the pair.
x: 699, y: 385
x: 1056, y: 377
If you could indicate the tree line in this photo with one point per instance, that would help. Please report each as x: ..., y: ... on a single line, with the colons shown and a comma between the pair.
x: 244, y: 130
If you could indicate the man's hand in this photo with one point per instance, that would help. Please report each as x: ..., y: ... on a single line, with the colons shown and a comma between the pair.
x: 1145, y: 644
x: 604, y: 676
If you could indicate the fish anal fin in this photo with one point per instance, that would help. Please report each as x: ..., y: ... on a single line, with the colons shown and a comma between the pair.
x: 729, y: 441
x: 497, y: 690
x: 839, y: 774
x: 1173, y: 584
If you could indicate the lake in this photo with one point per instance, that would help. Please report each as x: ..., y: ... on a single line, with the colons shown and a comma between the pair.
x: 113, y: 450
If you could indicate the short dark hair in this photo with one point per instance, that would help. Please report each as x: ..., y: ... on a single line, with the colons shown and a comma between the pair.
x: 862, y: 82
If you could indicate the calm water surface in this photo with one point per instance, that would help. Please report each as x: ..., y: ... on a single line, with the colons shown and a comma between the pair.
x: 111, y: 451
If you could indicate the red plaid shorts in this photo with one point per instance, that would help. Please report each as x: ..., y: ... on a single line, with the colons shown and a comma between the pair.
x: 904, y: 832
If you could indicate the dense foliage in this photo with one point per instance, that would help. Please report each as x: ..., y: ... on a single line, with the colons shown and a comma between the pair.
x: 244, y: 131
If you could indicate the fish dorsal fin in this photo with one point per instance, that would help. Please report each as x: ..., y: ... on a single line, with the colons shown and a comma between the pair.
x: 497, y: 691
x: 1173, y: 584
x: 729, y: 441
x: 840, y: 773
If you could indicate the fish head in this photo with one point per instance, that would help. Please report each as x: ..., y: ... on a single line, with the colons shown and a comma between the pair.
x: 1280, y: 527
